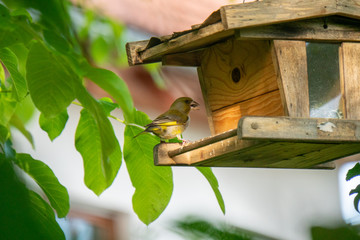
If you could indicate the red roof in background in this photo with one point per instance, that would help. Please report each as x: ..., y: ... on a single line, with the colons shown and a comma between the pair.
x: 159, y: 17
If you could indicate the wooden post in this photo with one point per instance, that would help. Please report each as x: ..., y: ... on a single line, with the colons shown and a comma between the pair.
x: 291, y: 67
x: 350, y: 78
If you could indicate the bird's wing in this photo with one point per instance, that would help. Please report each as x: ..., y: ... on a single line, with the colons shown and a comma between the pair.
x: 170, y: 118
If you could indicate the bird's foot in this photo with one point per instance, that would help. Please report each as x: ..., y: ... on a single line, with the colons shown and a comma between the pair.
x: 184, y: 142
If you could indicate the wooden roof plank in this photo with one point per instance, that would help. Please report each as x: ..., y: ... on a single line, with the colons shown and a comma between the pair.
x: 195, y: 39
x: 272, y: 12
x: 333, y: 28
x: 249, y: 17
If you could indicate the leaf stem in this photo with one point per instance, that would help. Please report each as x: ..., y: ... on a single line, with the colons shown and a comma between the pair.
x: 113, y: 117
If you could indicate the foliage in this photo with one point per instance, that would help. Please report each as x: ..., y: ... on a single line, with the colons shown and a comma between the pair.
x: 198, y: 228
x: 44, y: 60
x: 355, y: 171
x: 340, y: 232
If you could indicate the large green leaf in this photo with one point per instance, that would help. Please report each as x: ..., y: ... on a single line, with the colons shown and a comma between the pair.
x: 153, y: 185
x: 50, y: 81
x: 2, y: 76
x: 12, y: 29
x: 45, y: 217
x: 209, y: 175
x: 24, y: 215
x: 112, y: 84
x: 4, y: 134
x: 46, y: 179
x: 100, y: 170
x: 53, y: 125
x: 10, y: 61
x: 16, y: 122
x: 96, y: 141
x: 353, y: 172
x: 357, y: 197
x: 7, y: 108
x: 56, y: 41
x: 108, y: 139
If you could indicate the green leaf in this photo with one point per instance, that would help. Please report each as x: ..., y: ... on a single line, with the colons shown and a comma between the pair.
x: 46, y: 217
x: 108, y: 105
x: 357, y: 197
x: 54, y: 125
x: 355, y: 171
x: 108, y: 139
x: 100, y: 50
x: 24, y: 215
x: 2, y: 76
x: 209, y: 175
x: 21, y: 53
x: 12, y: 29
x: 19, y: 125
x: 9, y: 151
x: 100, y: 170
x: 4, y: 134
x: 153, y: 185
x: 56, y: 41
x: 112, y: 84
x: 7, y: 108
x: 46, y: 179
x: 25, y: 109
x: 10, y: 61
x: 50, y: 81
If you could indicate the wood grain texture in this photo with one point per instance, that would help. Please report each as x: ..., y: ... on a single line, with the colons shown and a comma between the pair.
x: 132, y: 49
x: 191, y: 41
x: 348, y: 8
x: 254, y: 63
x: 227, y: 118
x: 342, y: 106
x: 188, y: 59
x: 299, y: 129
x: 291, y: 64
x: 276, y: 151
x: 255, y: 92
x: 350, y: 54
x: 272, y: 12
x: 333, y: 28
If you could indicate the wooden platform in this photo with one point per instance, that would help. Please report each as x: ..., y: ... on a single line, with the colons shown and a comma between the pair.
x: 269, y: 142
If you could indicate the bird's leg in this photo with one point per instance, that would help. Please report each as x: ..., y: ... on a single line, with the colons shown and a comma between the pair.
x: 183, y: 141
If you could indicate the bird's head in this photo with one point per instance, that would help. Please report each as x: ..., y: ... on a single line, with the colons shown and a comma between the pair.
x: 185, y: 104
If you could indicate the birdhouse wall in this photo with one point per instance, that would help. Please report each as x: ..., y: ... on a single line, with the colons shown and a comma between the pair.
x: 291, y: 66
x: 350, y: 79
x: 238, y: 78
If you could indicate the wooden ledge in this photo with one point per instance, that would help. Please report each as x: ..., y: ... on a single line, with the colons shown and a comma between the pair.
x: 269, y: 142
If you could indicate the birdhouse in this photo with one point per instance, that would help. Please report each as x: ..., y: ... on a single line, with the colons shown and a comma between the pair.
x: 280, y: 80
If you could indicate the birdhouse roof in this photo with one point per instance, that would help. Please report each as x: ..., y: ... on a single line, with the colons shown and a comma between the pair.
x: 267, y: 19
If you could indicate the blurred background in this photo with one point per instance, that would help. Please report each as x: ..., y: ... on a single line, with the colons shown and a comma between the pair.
x: 263, y: 203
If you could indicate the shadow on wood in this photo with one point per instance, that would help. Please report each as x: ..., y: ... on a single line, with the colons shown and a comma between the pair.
x: 269, y: 142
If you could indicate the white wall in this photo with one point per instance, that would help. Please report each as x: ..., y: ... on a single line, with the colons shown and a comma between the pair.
x: 280, y: 203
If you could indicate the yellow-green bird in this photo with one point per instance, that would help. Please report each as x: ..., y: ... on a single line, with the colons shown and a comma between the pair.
x: 174, y: 121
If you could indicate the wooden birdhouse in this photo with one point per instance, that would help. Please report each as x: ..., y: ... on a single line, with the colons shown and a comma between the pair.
x: 280, y: 80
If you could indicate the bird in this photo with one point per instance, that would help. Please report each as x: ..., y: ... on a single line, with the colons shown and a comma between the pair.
x: 174, y: 121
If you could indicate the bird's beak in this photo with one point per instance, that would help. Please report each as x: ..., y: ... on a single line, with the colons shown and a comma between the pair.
x: 194, y: 105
